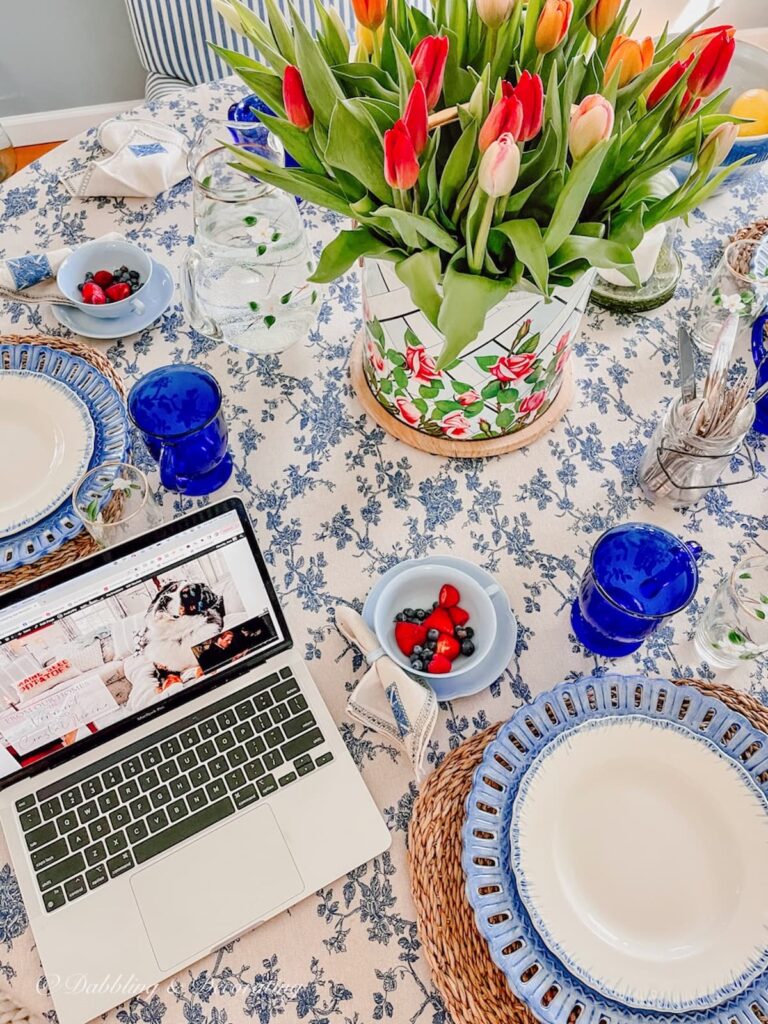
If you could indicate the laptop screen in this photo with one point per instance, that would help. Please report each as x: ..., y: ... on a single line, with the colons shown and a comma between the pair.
x: 130, y: 633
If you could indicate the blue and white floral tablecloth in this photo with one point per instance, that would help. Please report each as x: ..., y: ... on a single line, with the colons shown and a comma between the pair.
x: 336, y: 502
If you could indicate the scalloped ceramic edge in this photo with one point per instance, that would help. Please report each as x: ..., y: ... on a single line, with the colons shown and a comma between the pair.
x: 111, y: 443
x: 706, y: 999
x: 62, y: 486
x: 492, y: 666
x: 533, y: 972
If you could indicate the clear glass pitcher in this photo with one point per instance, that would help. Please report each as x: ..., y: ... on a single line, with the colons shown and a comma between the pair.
x: 244, y: 279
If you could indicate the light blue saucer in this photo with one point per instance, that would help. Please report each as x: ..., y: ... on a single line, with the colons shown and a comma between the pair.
x: 503, y: 649
x: 156, y: 297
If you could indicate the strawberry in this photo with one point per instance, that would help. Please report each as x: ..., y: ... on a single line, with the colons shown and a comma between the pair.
x: 93, y: 295
x: 118, y: 291
x: 103, y: 278
x: 459, y: 616
x: 440, y: 620
x: 439, y: 665
x: 449, y: 596
x: 448, y: 645
x: 408, y: 635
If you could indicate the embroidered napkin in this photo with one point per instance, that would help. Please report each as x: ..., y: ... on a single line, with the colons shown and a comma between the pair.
x: 386, y: 698
x: 29, y: 278
x: 145, y: 158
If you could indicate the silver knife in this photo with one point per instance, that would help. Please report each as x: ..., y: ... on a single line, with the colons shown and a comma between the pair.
x: 687, y: 357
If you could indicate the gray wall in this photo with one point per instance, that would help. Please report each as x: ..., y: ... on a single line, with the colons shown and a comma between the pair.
x: 66, y: 53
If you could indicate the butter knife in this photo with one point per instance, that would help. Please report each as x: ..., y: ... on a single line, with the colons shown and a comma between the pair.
x: 687, y: 358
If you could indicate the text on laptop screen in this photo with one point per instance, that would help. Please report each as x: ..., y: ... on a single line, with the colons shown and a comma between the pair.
x: 108, y: 644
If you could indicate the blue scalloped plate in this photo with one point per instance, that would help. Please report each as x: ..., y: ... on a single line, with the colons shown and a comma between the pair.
x: 111, y: 442
x: 533, y: 970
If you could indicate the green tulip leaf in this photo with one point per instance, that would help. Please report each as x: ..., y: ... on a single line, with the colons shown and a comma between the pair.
x: 345, y: 250
x: 332, y: 35
x: 259, y: 79
x: 296, y: 142
x: 467, y: 299
x: 281, y: 31
x: 421, y: 275
x: 597, y: 252
x: 571, y: 200
x: 457, y: 166
x: 323, y: 91
x: 414, y: 222
x: 312, y: 187
x: 527, y: 241
x: 354, y: 145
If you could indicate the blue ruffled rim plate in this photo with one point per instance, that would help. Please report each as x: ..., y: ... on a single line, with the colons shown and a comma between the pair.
x: 533, y: 972
x: 111, y: 442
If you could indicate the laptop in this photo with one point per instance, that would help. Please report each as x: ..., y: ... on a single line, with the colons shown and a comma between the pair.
x: 161, y: 738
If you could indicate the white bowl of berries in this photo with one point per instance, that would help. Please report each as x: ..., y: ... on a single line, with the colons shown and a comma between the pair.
x: 434, y: 620
x: 102, y: 278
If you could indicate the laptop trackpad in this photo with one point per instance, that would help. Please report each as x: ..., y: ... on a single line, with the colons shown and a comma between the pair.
x: 214, y: 888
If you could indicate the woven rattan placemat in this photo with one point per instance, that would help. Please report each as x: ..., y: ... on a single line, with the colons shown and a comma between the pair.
x: 83, y: 544
x: 473, y: 988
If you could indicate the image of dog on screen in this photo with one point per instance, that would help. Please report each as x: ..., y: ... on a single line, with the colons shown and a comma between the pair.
x: 182, y: 615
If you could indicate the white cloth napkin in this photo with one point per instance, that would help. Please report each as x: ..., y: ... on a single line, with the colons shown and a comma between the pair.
x: 29, y: 278
x: 386, y: 698
x: 145, y: 158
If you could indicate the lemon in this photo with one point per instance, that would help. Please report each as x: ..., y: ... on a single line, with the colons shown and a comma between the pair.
x: 753, y: 104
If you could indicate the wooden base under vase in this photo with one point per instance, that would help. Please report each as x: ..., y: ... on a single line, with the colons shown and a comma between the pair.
x: 446, y: 447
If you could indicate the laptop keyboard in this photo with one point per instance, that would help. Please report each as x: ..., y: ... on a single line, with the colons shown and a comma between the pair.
x: 123, y: 810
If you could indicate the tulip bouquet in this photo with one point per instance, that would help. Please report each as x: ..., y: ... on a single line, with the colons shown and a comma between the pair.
x: 490, y: 145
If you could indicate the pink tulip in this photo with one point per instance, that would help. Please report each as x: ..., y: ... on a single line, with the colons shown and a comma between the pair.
x: 591, y: 123
x: 494, y: 13
x: 408, y: 411
x: 499, y: 167
x: 717, y: 145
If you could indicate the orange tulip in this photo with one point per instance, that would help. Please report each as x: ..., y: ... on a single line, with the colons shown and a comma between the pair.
x: 633, y: 57
x: 602, y: 16
x: 553, y: 24
x: 370, y: 13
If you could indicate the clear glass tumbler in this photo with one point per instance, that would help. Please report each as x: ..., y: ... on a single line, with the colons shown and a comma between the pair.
x: 244, y: 280
x: 739, y: 285
x: 734, y: 625
x: 115, y: 503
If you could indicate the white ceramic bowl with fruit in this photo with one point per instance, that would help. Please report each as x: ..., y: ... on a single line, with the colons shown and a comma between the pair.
x: 461, y: 626
x: 93, y: 266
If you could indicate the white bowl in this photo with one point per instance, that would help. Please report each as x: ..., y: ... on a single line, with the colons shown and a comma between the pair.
x: 419, y: 588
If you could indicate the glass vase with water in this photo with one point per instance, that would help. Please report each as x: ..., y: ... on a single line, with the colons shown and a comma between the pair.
x: 244, y: 280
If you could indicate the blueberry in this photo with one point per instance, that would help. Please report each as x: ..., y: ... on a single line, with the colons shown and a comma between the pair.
x: 435, y: 604
x: 80, y: 287
x: 88, y: 275
x: 433, y: 634
x: 418, y: 649
x: 135, y: 287
x: 123, y: 269
x: 420, y: 614
x: 399, y: 617
x: 134, y: 274
x: 417, y: 665
x: 469, y: 631
x: 460, y: 633
x: 408, y: 612
x: 467, y: 648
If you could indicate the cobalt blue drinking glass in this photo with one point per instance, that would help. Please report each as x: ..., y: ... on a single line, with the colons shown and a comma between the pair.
x: 638, y: 576
x: 760, y: 355
x: 178, y: 411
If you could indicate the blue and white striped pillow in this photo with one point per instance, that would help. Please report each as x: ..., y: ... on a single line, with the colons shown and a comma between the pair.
x: 171, y: 37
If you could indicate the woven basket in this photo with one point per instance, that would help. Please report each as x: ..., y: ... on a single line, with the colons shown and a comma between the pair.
x: 474, y: 990
x: 83, y: 544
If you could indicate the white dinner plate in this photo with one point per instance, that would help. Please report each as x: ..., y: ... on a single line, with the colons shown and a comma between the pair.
x: 46, y: 443
x: 640, y: 852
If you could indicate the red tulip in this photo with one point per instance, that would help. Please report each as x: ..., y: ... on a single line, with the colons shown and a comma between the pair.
x: 401, y: 166
x: 298, y: 109
x: 506, y: 116
x: 696, y: 42
x: 712, y: 63
x: 428, y: 60
x: 370, y: 13
x: 415, y: 117
x: 530, y: 91
x: 667, y: 82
